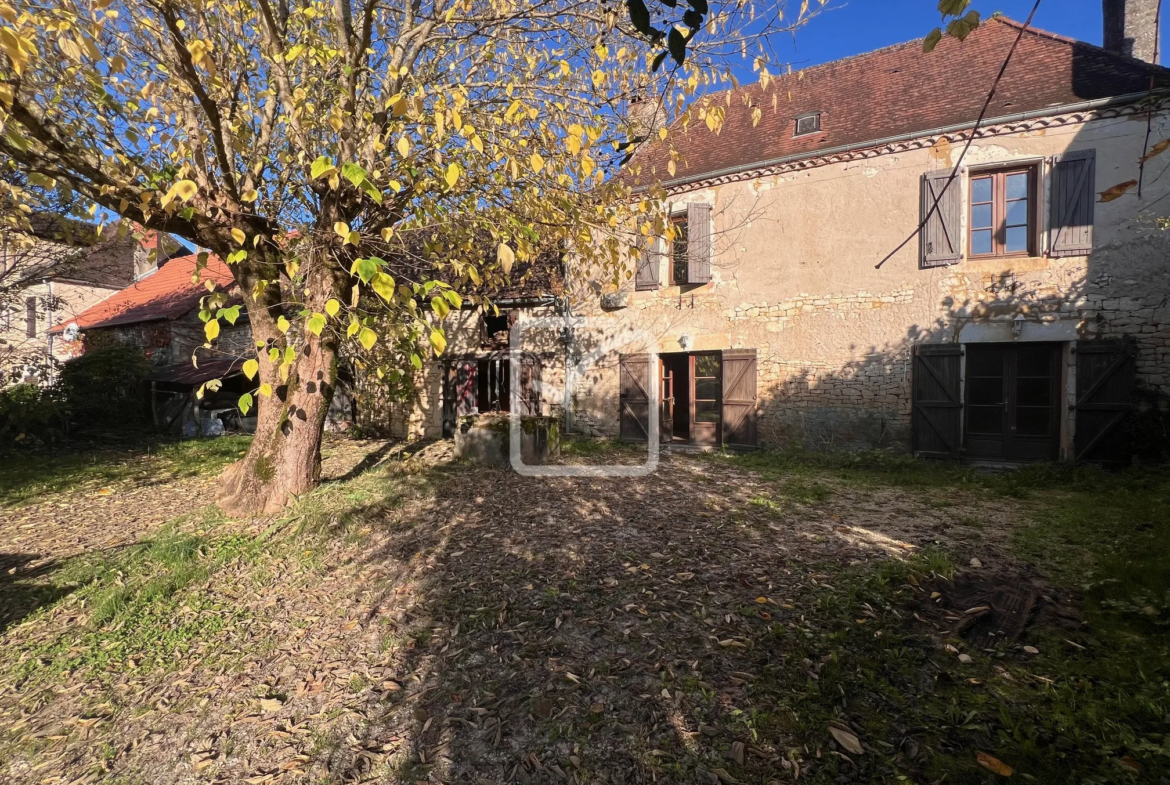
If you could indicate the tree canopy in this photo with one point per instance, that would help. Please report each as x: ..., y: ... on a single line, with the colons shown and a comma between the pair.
x: 362, y: 165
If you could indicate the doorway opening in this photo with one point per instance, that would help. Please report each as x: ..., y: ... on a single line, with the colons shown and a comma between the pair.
x: 1011, y: 401
x: 691, y: 395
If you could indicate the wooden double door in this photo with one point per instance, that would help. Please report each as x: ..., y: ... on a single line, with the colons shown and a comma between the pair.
x: 1011, y: 401
x: 707, y: 399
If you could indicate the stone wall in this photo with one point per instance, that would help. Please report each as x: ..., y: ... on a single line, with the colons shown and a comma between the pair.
x: 796, y: 277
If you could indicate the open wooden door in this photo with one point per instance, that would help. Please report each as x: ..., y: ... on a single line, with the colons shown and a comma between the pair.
x: 666, y: 398
x: 936, y: 419
x: 1105, y: 385
x: 739, y: 398
x: 634, y: 397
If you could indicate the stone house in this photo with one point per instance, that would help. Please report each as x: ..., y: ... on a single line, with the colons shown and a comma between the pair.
x: 159, y: 313
x: 797, y: 302
x: 64, y: 269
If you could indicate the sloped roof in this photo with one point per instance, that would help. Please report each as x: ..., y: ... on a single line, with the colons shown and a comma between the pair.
x: 167, y: 293
x: 188, y: 373
x: 69, y: 249
x: 895, y: 91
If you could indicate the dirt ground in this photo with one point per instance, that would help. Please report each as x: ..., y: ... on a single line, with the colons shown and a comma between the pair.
x: 454, y: 623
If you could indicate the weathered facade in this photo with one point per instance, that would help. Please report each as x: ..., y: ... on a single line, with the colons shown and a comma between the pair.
x: 62, y: 274
x: 159, y: 314
x: 961, y: 341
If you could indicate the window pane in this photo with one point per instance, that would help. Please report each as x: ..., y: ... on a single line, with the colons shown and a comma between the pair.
x: 1033, y: 392
x: 981, y: 190
x: 980, y: 215
x: 1017, y: 239
x: 707, y: 365
x: 1033, y: 420
x: 1033, y: 361
x: 679, y: 268
x: 706, y: 411
x: 1017, y: 186
x: 984, y: 362
x: 706, y: 388
x: 985, y: 419
x: 981, y: 241
x: 1017, y: 213
x: 985, y: 392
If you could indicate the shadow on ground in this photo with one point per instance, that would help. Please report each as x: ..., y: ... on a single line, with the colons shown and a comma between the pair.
x: 595, y: 630
x: 22, y: 588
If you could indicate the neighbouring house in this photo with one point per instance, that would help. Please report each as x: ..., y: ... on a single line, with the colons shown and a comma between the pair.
x: 50, y: 276
x: 159, y: 313
x: 796, y: 304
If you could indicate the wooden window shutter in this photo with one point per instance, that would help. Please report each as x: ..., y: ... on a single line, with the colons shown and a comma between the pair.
x: 698, y: 242
x: 739, y: 397
x: 1070, y: 214
x: 649, y: 262
x: 941, y: 242
x: 936, y: 407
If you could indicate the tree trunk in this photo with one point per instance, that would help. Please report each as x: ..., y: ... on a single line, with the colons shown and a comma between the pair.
x: 284, y: 460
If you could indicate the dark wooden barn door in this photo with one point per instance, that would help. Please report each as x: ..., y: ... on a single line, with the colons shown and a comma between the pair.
x: 1105, y: 383
x: 739, y: 398
x: 936, y: 418
x: 1012, y: 401
x: 460, y: 387
x: 634, y: 397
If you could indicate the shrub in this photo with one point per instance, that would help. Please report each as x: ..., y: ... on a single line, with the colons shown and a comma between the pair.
x: 29, y: 413
x: 104, y: 386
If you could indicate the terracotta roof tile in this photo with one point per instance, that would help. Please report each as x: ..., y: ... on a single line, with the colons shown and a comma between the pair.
x: 896, y: 91
x: 167, y: 293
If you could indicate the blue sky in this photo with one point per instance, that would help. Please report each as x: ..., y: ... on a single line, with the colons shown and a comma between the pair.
x: 849, y: 27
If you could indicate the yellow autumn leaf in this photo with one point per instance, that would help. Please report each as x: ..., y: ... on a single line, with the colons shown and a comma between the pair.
x: 367, y: 338
x: 387, y: 233
x: 537, y: 162
x: 342, y: 229
x: 403, y: 146
x: 250, y: 195
x: 452, y: 175
x: 185, y: 189
x: 265, y: 389
x: 477, y: 143
x: 251, y: 367
x: 238, y: 236
x: 283, y: 324
x: 438, y: 341
x: 211, y: 329
x: 506, y: 257
x: 332, y: 307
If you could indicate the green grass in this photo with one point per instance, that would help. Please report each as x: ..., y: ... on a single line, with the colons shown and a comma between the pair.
x: 1095, y: 714
x: 29, y: 477
x: 138, y: 602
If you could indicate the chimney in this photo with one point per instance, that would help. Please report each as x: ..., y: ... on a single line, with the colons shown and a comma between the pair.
x: 1131, y: 28
x: 646, y: 116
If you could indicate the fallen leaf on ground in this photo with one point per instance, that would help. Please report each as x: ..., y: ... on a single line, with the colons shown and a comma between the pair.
x: 992, y: 763
x: 847, y: 740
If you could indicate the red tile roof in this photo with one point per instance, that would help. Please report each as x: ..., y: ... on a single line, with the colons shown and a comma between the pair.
x: 896, y: 91
x: 167, y: 293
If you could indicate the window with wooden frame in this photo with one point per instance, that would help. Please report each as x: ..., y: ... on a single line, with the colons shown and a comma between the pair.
x: 807, y: 124
x: 677, y: 245
x: 1002, y: 212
